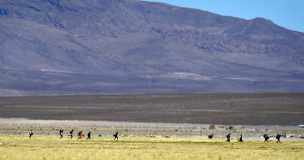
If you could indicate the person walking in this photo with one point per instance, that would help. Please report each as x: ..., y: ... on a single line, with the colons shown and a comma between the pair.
x: 61, y: 133
x: 80, y: 135
x: 278, y: 138
x: 116, y: 136
x: 71, y: 133
x: 89, y: 136
x: 241, y: 138
x: 266, y: 136
x: 30, y: 134
x: 228, y: 138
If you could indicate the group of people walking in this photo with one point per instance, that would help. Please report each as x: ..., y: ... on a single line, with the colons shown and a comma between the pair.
x: 80, y: 134
x: 266, y: 137
x: 71, y: 134
x: 229, y: 135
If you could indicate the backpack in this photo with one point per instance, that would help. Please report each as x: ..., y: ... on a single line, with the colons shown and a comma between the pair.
x: 71, y: 132
x: 265, y: 135
x: 79, y: 133
x: 278, y: 136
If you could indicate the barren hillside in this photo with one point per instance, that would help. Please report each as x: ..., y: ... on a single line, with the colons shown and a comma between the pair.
x: 127, y: 46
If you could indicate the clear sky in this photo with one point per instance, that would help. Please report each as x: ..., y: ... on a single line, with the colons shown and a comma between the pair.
x: 285, y: 13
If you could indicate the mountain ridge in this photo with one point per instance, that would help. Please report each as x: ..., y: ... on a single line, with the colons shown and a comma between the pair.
x: 142, y: 45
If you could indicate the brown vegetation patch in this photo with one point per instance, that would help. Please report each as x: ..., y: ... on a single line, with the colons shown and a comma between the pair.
x: 242, y: 109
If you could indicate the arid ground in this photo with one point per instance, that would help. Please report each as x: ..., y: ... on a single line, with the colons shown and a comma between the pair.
x: 51, y: 147
x: 226, y: 109
x: 166, y: 117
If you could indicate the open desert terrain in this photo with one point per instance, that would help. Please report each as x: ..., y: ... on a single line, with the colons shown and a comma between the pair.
x: 160, y: 126
x: 225, y: 108
x: 51, y: 147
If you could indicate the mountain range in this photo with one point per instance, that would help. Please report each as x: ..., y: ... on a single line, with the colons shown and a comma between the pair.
x: 51, y: 47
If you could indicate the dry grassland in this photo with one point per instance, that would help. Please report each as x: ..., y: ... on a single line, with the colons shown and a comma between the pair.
x: 227, y: 109
x: 51, y: 147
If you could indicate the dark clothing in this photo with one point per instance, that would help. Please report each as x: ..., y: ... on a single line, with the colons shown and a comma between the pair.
x: 266, y: 136
x: 278, y: 138
x: 241, y: 138
x: 71, y: 133
x: 61, y: 133
x: 228, y: 138
x: 266, y: 139
x: 116, y: 136
x: 89, y: 136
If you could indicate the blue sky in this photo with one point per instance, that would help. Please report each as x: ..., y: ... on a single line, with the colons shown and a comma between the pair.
x: 285, y: 13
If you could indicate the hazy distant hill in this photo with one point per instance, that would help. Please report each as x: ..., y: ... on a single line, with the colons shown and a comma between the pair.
x: 127, y: 46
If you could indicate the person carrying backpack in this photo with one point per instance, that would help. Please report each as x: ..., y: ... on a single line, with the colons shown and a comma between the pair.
x: 278, y: 138
x: 241, y: 138
x: 61, y: 133
x: 266, y: 136
x: 30, y: 134
x: 89, y: 136
x: 80, y: 135
x: 228, y: 138
x: 116, y: 136
x: 71, y: 133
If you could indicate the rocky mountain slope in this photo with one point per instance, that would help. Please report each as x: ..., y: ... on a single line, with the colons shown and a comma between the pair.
x: 128, y: 46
